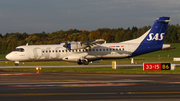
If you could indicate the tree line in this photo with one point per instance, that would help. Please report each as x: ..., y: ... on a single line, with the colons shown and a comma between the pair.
x: 9, y: 41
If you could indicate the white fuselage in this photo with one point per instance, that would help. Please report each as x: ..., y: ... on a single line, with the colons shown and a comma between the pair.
x: 58, y: 52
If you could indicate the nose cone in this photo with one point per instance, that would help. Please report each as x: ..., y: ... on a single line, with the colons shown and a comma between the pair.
x: 8, y: 56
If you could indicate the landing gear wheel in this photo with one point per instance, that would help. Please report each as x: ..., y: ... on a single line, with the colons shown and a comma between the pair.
x: 16, y: 64
x: 85, y: 62
x: 79, y: 63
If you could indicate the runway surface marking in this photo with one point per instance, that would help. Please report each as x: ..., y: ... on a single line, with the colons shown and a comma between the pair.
x: 79, y: 85
x: 82, y: 84
x: 152, y: 93
x: 170, y: 82
x: 106, y: 93
x: 19, y: 74
x: 45, y: 94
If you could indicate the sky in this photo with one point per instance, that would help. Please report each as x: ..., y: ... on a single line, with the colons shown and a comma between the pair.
x: 35, y: 16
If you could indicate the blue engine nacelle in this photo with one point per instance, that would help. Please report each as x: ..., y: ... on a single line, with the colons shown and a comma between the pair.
x: 69, y: 46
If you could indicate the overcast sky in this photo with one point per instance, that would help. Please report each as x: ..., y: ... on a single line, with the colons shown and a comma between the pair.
x: 34, y: 16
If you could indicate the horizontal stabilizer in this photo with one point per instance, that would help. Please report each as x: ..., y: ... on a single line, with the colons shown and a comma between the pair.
x: 166, y: 46
x: 164, y: 21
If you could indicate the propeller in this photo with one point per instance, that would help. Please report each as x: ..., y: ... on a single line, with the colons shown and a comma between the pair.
x: 66, y: 45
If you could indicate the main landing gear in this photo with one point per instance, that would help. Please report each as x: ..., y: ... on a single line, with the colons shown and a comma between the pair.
x: 85, y: 62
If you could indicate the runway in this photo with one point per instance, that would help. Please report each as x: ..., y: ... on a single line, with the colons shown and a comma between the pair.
x: 53, y: 86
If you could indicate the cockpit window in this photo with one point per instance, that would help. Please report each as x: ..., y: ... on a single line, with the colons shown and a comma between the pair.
x: 19, y: 49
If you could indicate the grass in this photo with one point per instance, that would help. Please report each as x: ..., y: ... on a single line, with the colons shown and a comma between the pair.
x: 2, y: 56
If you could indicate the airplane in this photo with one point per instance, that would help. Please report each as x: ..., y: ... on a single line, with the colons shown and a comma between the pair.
x: 82, y: 52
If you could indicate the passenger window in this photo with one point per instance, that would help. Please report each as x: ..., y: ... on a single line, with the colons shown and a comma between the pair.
x: 96, y: 49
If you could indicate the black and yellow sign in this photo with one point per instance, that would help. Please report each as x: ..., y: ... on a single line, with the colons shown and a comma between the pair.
x: 165, y: 66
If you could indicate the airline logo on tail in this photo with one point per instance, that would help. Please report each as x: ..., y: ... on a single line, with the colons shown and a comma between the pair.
x: 156, y: 37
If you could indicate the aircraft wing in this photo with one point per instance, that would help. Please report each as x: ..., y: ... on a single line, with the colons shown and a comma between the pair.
x: 84, y: 44
x: 93, y: 43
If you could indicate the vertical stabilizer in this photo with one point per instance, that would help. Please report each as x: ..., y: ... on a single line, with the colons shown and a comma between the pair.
x: 153, y: 39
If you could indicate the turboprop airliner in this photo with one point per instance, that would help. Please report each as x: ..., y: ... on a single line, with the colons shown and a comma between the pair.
x: 83, y: 52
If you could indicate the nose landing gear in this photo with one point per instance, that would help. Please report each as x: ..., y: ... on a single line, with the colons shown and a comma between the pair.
x: 16, y: 63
